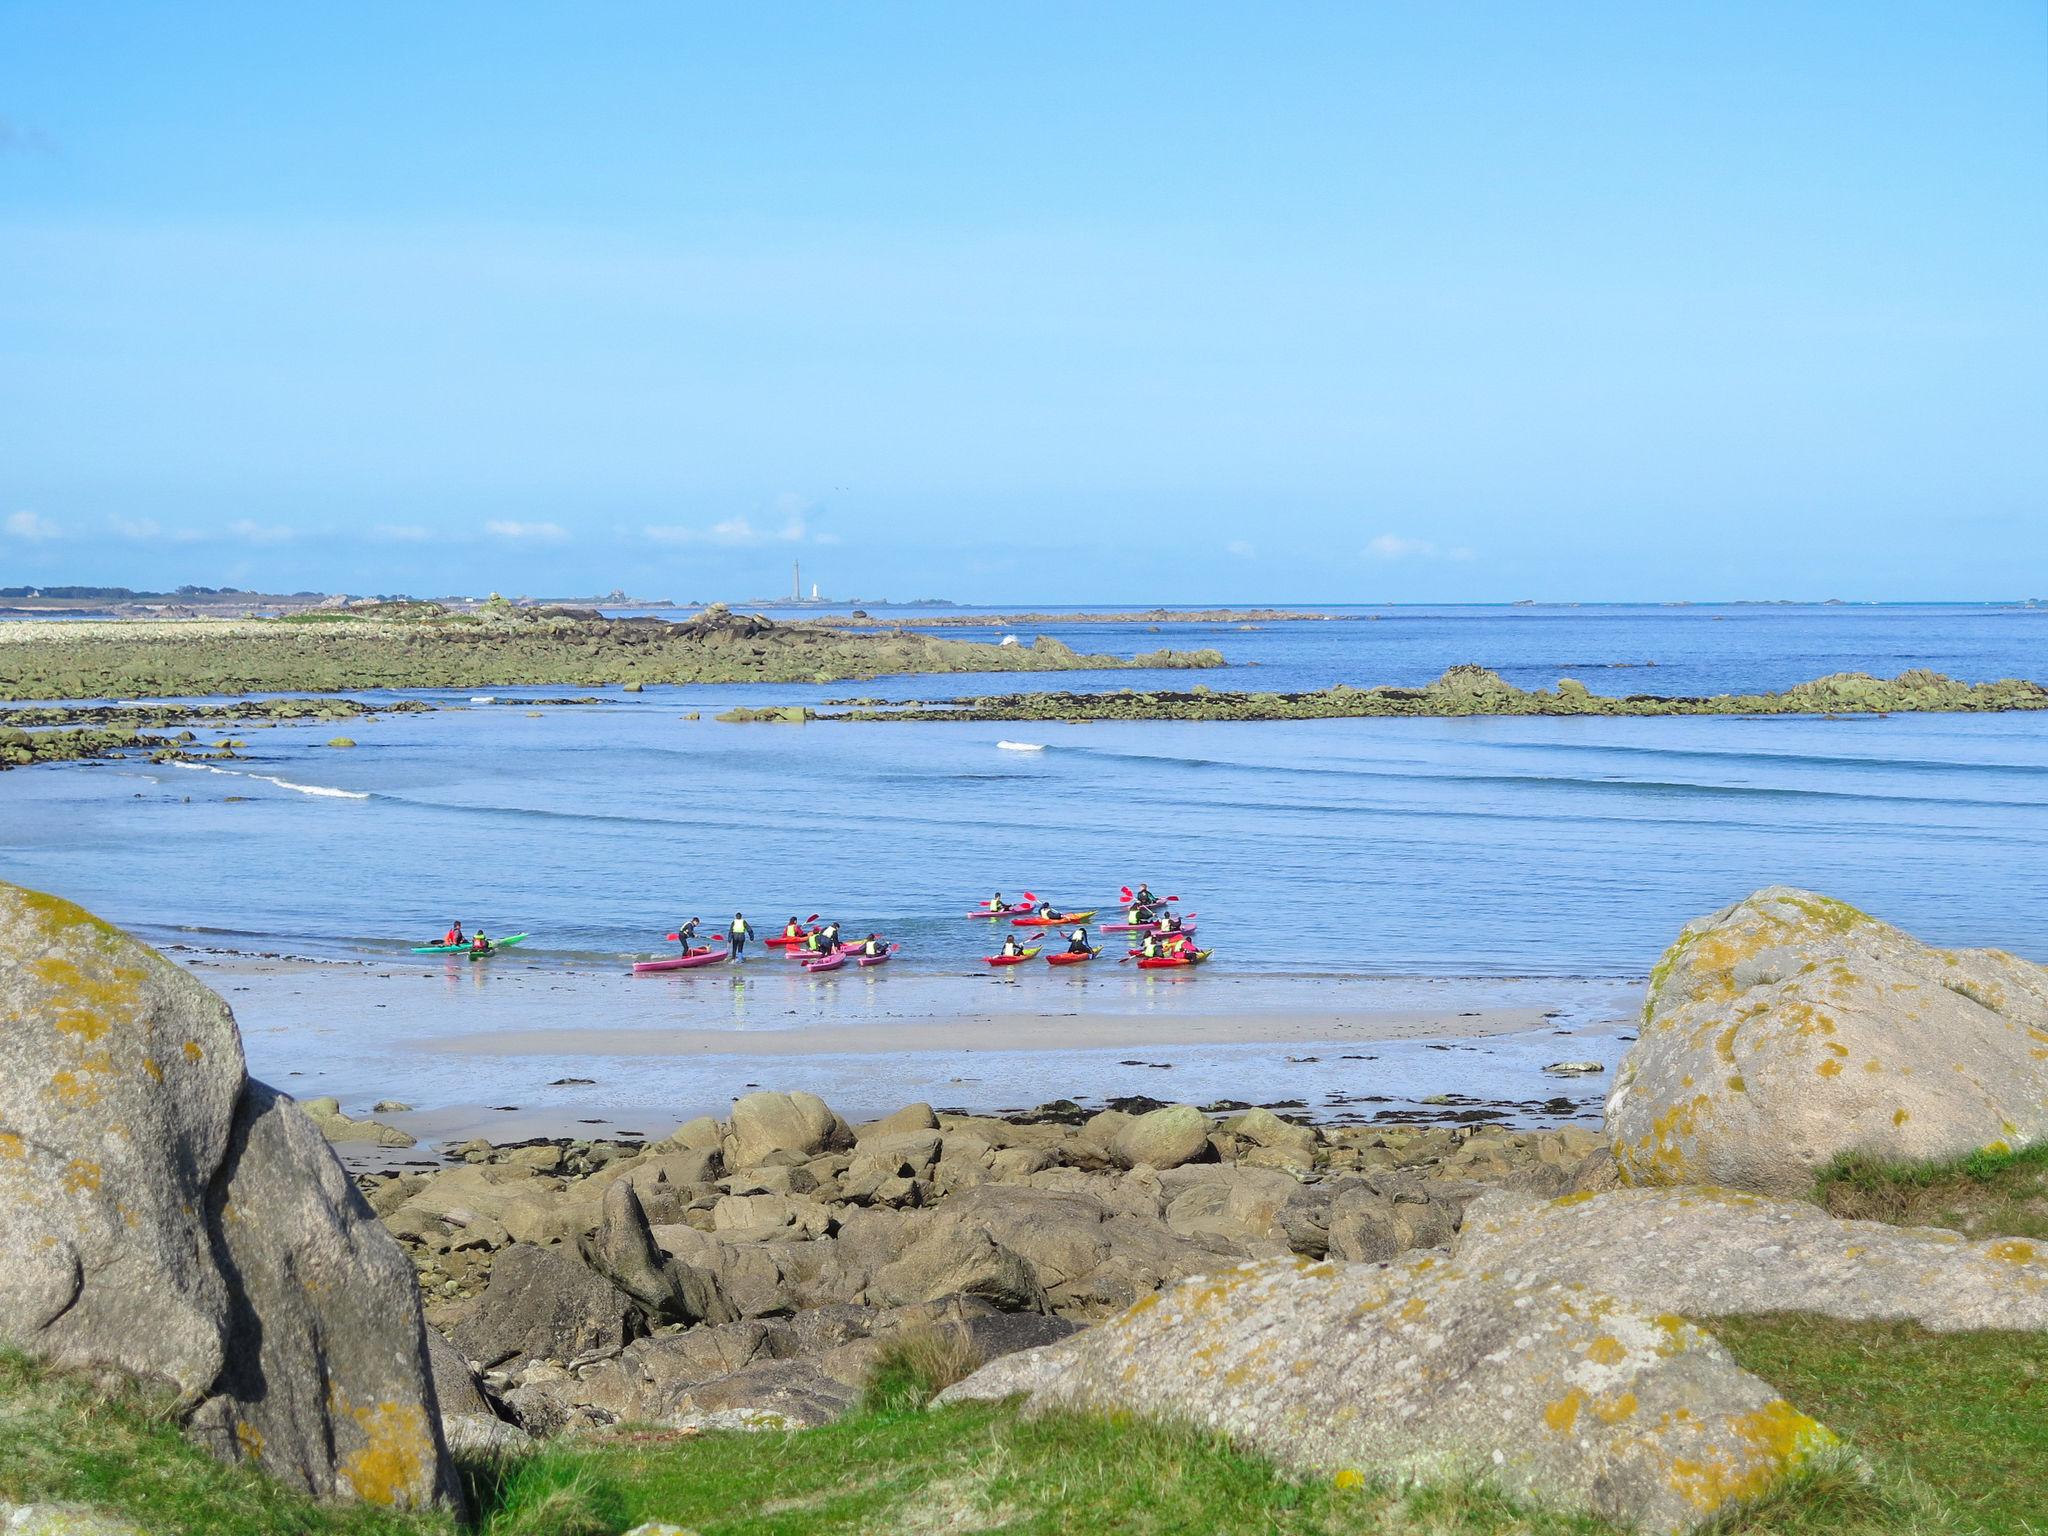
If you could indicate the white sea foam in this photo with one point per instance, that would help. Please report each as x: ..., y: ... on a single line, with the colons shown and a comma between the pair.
x: 323, y: 790
x: 1022, y: 746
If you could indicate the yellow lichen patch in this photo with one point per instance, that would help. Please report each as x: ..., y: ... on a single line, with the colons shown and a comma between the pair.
x: 10, y: 1146
x: 82, y: 1177
x: 394, y: 1467
x: 1606, y: 1350
x: 75, y: 1086
x: 250, y: 1439
x: 155, y: 1072
x: 1829, y: 1068
x: 1348, y: 1478
x: 192, y: 1051
x: 2013, y: 1251
x: 1616, y: 1408
x: 1737, y: 1085
x: 1771, y: 1441
x: 1564, y: 1413
x: 1579, y: 1197
x: 1413, y: 1308
x: 1900, y: 1117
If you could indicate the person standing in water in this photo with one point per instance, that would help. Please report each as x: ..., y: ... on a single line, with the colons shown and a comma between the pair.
x: 686, y: 934
x: 738, y: 934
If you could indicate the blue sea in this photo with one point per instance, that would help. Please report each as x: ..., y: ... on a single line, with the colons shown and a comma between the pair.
x: 1397, y: 848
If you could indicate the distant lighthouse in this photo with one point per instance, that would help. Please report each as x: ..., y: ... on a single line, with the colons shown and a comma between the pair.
x: 796, y: 581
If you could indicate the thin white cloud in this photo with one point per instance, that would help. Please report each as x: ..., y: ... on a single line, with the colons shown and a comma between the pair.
x: 400, y: 533
x: 737, y: 533
x: 1239, y: 548
x: 139, y: 529
x: 32, y: 526
x: 1392, y: 546
x: 248, y: 532
x: 528, y: 533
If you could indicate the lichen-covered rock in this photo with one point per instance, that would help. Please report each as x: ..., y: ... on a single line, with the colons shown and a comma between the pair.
x: 1419, y: 1369
x: 1163, y: 1138
x: 1718, y: 1253
x: 62, y: 1520
x: 165, y: 1217
x: 119, y: 1075
x: 1789, y: 1028
x: 323, y: 1386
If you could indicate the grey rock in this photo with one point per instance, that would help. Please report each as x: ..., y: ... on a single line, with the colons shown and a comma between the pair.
x: 62, y: 1520
x: 669, y: 1290
x: 1789, y: 1028
x: 541, y: 1305
x: 793, y: 1125
x: 170, y: 1220
x: 1426, y: 1371
x: 1164, y: 1138
x: 1716, y: 1253
x: 328, y: 1382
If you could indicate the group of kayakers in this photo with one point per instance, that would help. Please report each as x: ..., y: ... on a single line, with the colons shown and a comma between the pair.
x: 1161, y: 936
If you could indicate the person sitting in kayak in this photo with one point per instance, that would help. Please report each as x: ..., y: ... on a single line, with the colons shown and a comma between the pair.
x: 793, y: 929
x: 686, y: 933
x: 453, y: 936
x: 481, y: 944
x: 997, y: 904
x: 1149, y: 948
x: 873, y: 945
x: 1012, y: 947
x: 1145, y: 898
x: 1180, y: 944
x: 1077, y: 943
x: 1171, y: 922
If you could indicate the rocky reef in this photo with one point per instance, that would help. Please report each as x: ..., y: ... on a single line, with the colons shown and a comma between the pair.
x: 1472, y: 690
x: 424, y: 645
x: 79, y: 732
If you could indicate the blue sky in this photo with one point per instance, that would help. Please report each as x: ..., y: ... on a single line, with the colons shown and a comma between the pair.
x: 1358, y: 302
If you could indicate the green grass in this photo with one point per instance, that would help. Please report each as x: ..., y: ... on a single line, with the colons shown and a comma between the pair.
x: 1985, y: 1194
x: 1961, y: 1416
x: 1950, y: 1426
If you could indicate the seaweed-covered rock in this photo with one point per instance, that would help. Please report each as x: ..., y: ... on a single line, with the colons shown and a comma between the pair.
x: 1715, y: 1253
x: 1560, y: 1394
x: 1790, y: 1027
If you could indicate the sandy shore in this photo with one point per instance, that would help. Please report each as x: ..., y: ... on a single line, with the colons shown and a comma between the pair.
x: 511, y: 1051
x: 1009, y: 1031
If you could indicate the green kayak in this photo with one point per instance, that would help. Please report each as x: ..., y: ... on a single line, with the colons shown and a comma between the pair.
x: 462, y: 948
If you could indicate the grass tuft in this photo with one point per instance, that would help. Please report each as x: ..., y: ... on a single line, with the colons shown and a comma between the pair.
x: 558, y: 1491
x: 915, y: 1367
x: 1981, y: 1194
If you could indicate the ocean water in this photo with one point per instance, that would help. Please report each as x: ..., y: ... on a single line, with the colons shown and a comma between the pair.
x: 1484, y: 848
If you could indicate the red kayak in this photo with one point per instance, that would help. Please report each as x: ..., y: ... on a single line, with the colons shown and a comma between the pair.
x: 829, y: 963
x: 1068, y: 957
x: 784, y: 941
x: 1052, y: 922
x: 695, y: 957
x: 1173, y: 962
x: 1016, y: 959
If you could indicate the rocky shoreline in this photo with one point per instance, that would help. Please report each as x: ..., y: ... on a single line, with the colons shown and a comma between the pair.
x: 1400, y: 1303
x: 1460, y: 691
x: 425, y: 645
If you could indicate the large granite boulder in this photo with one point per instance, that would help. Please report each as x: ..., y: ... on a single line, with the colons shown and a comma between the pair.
x: 1162, y: 1138
x: 1789, y: 1028
x: 795, y: 1126
x: 1419, y: 1369
x: 1718, y: 1253
x: 166, y: 1218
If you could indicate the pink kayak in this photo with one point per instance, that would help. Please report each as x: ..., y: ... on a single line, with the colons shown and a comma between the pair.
x: 881, y: 959
x: 695, y: 958
x: 829, y: 963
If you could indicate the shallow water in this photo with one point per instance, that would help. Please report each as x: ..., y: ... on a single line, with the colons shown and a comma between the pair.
x: 1476, y: 847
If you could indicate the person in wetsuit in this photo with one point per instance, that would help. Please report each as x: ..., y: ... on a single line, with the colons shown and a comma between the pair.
x: 1077, y: 942
x: 738, y: 934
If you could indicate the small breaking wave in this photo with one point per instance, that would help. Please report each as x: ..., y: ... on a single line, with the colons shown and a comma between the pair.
x: 323, y: 790
x: 1022, y: 746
